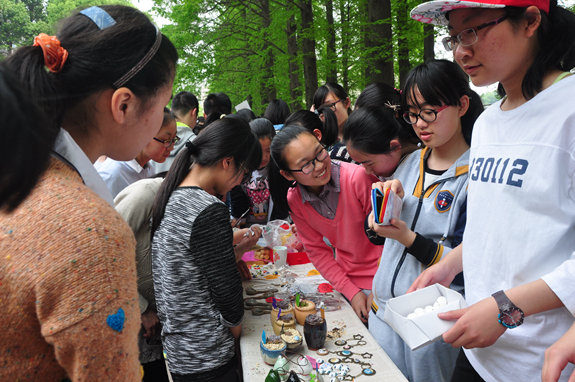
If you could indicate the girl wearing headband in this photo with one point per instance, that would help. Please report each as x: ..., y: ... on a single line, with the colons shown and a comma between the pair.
x: 67, y: 266
x: 518, y: 251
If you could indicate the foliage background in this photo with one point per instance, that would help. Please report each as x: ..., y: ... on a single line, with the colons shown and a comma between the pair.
x: 261, y: 50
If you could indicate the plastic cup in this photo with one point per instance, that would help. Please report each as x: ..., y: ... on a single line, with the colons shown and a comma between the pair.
x: 279, y: 256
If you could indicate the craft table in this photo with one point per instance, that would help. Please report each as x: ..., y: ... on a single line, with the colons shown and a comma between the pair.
x: 255, y: 369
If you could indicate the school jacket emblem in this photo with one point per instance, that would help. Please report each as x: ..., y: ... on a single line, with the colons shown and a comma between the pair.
x: 443, y: 201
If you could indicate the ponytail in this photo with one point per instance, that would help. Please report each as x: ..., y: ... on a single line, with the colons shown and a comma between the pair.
x: 311, y: 121
x: 330, y: 126
x: 227, y: 137
x: 27, y: 142
x: 27, y: 64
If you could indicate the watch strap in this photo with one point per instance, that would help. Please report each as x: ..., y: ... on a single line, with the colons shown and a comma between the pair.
x: 502, y: 300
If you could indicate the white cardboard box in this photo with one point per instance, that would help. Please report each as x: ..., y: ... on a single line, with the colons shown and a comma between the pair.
x: 425, y: 329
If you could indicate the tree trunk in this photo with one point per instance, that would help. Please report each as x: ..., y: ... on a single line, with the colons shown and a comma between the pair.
x: 308, y: 50
x: 295, y: 92
x: 379, y: 41
x: 268, y: 90
x: 344, y: 15
x: 368, y: 69
x: 402, y: 43
x: 428, y: 42
x: 331, y: 73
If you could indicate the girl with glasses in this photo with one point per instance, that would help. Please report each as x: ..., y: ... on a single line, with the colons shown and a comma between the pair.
x: 119, y: 174
x: 326, y: 199
x: 518, y: 253
x: 433, y: 185
x: 198, y: 289
x: 67, y: 267
x: 334, y: 97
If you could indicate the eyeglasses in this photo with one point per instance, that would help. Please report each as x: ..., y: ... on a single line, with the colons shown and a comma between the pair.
x: 468, y: 36
x: 332, y: 105
x: 427, y: 115
x: 310, y: 166
x: 167, y: 142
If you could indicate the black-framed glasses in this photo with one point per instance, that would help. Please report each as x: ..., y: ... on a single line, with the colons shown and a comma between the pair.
x: 332, y: 105
x: 468, y: 36
x: 310, y: 166
x: 427, y: 115
x: 168, y: 142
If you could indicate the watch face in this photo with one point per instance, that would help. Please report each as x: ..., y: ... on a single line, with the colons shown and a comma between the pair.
x: 511, y: 318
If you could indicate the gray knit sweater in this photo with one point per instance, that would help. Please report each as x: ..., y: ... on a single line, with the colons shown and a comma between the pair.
x: 197, y: 284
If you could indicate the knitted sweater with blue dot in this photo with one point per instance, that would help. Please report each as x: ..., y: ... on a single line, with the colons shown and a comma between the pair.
x: 67, y: 286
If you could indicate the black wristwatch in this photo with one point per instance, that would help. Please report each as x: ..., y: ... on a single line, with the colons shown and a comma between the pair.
x: 510, y: 316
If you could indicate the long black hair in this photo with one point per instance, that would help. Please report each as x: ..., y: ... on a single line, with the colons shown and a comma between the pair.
x: 279, y: 185
x: 224, y: 138
x: 26, y: 142
x: 312, y: 121
x: 555, y: 42
x: 277, y: 111
x: 96, y: 59
x: 443, y: 82
x: 371, y: 129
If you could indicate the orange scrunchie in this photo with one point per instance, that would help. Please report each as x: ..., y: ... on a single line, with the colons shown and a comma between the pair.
x: 54, y: 55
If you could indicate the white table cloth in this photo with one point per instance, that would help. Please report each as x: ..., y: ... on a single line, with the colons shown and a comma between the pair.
x: 255, y: 369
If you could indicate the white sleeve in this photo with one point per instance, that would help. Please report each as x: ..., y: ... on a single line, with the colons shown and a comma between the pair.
x: 562, y: 282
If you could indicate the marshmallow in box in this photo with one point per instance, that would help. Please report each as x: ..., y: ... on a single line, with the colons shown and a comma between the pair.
x: 425, y: 328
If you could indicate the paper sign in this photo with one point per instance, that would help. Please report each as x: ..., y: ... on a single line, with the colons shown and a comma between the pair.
x: 243, y: 105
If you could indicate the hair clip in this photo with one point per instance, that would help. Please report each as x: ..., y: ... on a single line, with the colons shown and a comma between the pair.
x: 316, y: 112
x: 99, y: 16
x: 391, y: 106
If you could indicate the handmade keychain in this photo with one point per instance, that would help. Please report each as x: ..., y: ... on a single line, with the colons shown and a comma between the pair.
x: 336, y: 365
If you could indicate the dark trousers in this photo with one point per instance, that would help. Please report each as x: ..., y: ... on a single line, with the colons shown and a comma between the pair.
x: 155, y: 371
x: 464, y: 372
x: 230, y: 375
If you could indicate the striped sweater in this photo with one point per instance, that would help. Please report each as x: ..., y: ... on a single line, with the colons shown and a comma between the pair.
x: 198, y: 287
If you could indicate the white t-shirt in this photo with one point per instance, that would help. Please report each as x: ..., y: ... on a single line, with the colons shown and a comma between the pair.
x: 118, y: 175
x: 521, y: 223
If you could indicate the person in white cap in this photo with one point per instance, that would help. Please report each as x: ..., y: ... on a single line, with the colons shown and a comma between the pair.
x: 517, y: 254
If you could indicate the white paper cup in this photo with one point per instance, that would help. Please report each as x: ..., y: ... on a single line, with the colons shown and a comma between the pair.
x: 279, y: 256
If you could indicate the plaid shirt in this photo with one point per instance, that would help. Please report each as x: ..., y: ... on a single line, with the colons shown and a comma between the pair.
x: 326, y: 203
